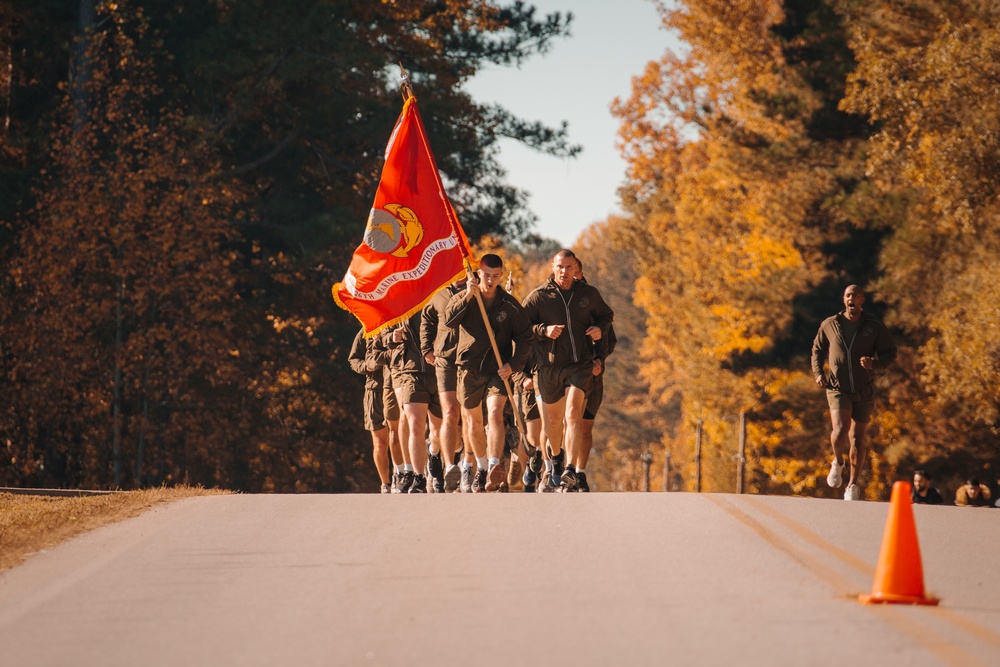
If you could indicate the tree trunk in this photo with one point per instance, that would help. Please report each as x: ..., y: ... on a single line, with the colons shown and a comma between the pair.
x: 140, y: 446
x: 80, y: 69
x: 116, y: 446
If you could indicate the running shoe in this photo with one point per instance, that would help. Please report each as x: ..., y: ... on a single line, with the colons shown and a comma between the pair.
x: 406, y: 481
x: 852, y: 492
x: 514, y: 474
x: 558, y: 464
x: 435, y: 470
x: 479, y: 483
x: 568, y: 479
x: 419, y: 484
x: 386, y: 488
x: 395, y: 481
x: 530, y: 479
x: 581, y: 482
x: 835, y: 478
x: 452, y: 478
x: 466, y: 484
x: 495, y: 476
x: 549, y: 483
x: 535, y: 464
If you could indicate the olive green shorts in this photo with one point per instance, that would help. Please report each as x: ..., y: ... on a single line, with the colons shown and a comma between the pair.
x: 379, y: 406
x: 473, y: 387
x: 594, y: 397
x: 374, y: 408
x: 529, y: 405
x: 418, y: 388
x: 447, y: 377
x: 389, y: 400
x: 551, y: 381
x: 860, y: 404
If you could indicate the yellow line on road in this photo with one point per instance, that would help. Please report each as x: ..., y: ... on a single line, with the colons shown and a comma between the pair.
x: 967, y: 625
x: 948, y: 652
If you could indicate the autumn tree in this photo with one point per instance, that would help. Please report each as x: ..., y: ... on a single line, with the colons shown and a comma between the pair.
x: 632, y: 420
x: 276, y: 116
x: 747, y: 178
x: 926, y: 78
x: 122, y: 340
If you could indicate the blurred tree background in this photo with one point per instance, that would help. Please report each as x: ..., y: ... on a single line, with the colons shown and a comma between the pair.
x: 182, y: 182
x: 794, y: 148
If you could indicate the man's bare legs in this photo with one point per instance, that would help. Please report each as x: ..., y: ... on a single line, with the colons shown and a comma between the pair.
x: 496, y: 434
x: 404, y: 442
x: 552, y: 423
x: 415, y: 415
x: 449, y: 424
x: 576, y: 402
x: 859, y: 450
x: 848, y: 436
x: 380, y: 453
x: 586, y: 444
x: 475, y: 431
x: 395, y: 448
x: 487, y: 444
x: 840, y: 421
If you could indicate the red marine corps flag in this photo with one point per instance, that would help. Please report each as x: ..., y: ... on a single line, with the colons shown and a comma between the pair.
x: 413, y: 244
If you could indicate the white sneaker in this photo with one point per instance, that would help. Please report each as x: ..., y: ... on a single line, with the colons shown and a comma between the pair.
x: 852, y: 492
x: 835, y: 478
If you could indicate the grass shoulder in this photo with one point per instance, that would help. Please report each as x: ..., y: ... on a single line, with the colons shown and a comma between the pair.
x: 29, y: 524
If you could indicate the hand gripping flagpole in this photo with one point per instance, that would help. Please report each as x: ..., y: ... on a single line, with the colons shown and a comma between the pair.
x: 407, y: 91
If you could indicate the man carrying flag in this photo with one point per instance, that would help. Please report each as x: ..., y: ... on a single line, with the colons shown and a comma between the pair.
x: 413, y: 246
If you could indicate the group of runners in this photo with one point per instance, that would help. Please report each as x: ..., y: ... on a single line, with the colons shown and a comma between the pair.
x: 443, y: 387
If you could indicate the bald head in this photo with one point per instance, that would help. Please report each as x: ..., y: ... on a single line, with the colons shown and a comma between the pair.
x: 854, y: 300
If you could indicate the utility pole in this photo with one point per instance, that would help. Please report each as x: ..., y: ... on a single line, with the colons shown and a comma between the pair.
x: 741, y: 457
x: 697, y: 456
x: 646, y: 458
x: 666, y: 472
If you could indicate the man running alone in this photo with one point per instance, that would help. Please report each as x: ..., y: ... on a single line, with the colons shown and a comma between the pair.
x: 853, y: 345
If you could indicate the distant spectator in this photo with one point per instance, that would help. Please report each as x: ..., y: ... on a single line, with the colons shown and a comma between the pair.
x: 973, y: 494
x: 923, y: 492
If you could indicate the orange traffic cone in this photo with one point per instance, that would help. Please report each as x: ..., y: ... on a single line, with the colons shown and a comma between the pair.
x: 899, y: 577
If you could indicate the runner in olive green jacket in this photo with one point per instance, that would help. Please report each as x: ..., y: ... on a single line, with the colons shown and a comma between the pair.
x: 565, y: 315
x: 480, y: 377
x: 854, y: 346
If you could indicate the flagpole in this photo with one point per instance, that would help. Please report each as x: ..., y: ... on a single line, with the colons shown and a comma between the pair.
x: 407, y: 91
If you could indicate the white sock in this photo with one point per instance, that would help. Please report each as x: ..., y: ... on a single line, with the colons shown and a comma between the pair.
x: 580, y: 471
x: 492, y: 462
x: 549, y: 465
x: 407, y: 467
x: 398, y: 468
x: 482, y: 463
x: 464, y: 465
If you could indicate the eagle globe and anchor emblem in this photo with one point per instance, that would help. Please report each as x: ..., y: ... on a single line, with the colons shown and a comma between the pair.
x: 393, y: 229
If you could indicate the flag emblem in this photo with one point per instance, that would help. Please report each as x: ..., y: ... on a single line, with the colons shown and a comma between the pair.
x: 413, y: 244
x: 393, y: 229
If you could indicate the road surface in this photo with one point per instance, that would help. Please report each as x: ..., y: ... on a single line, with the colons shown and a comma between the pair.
x: 574, y: 579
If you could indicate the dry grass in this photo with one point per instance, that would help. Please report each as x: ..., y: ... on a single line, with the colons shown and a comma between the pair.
x: 32, y: 523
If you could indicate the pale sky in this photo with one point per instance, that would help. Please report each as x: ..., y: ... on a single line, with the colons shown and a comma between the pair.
x: 611, y: 41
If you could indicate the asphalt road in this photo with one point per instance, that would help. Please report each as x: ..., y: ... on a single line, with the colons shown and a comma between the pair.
x: 574, y: 579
